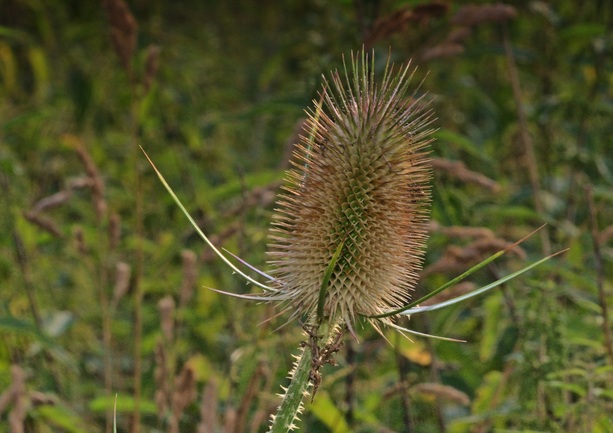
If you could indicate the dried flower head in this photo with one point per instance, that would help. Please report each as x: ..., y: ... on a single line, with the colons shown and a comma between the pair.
x: 359, y: 188
x: 350, y: 228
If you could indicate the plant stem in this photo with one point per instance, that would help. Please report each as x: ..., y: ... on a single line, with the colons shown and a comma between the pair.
x: 524, y: 135
x: 138, y: 267
x: 600, y: 274
x: 291, y: 405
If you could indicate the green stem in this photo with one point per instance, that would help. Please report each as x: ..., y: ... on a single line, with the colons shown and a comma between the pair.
x: 290, y: 406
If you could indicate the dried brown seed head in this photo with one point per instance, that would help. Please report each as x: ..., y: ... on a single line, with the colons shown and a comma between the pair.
x: 360, y: 177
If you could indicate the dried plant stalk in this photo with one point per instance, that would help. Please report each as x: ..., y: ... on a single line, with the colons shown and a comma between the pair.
x: 472, y: 15
x: 123, y: 31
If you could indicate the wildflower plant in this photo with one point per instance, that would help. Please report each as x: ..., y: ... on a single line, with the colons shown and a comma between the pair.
x: 349, y: 231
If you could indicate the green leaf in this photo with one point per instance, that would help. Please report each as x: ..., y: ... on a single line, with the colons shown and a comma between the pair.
x: 491, y: 324
x: 565, y: 386
x: 487, y: 391
x: 476, y: 292
x: 326, y: 279
x: 60, y: 416
x: 324, y: 409
x: 445, y: 135
x: 125, y: 404
x: 18, y: 326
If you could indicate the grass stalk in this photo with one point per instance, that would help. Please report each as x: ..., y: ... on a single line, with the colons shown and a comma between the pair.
x: 524, y: 134
x: 600, y: 274
x: 138, y: 269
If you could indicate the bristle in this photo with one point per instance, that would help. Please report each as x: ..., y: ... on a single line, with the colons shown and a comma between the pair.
x: 360, y: 177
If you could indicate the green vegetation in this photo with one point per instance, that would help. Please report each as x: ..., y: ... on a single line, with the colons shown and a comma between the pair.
x: 103, y: 282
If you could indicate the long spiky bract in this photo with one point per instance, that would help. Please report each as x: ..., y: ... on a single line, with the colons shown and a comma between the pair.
x: 358, y: 197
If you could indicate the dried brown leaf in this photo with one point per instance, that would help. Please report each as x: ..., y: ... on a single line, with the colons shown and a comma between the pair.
x: 442, y: 391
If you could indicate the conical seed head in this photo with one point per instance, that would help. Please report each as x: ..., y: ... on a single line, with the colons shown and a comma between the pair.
x: 360, y: 177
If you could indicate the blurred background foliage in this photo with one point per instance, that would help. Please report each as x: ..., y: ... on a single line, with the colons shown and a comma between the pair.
x: 102, y: 280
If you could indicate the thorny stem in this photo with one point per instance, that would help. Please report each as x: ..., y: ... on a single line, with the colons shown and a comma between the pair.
x: 306, y: 370
x: 290, y: 406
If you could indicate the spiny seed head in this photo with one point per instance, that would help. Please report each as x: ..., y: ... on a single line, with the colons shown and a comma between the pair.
x: 360, y: 177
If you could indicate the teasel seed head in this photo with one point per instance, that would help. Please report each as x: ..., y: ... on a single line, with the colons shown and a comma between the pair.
x: 357, y: 197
